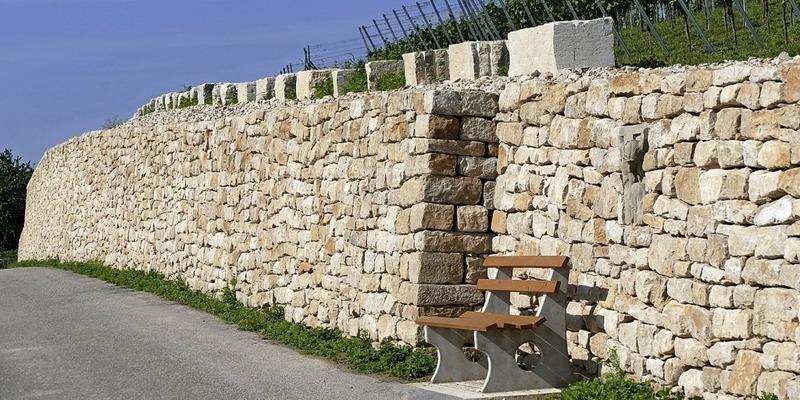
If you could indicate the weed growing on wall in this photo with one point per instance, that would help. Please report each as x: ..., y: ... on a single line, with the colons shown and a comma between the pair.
x: 357, y: 353
x: 232, y: 97
x: 324, y: 88
x: 113, y: 123
x: 291, y: 93
x: 358, y: 82
x: 391, y: 82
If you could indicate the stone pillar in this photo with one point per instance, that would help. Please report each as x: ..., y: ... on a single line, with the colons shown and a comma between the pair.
x: 426, y: 67
x: 246, y: 92
x: 340, y: 78
x: 265, y: 88
x: 307, y: 82
x: 227, y: 94
x: 204, y: 93
x: 472, y: 60
x: 381, y: 69
x: 559, y: 45
x: 286, y: 87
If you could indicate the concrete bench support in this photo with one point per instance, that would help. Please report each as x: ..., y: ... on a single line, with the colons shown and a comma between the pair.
x: 472, y: 60
x: 380, y: 69
x: 286, y: 86
x: 559, y: 45
x: 246, y: 92
x: 307, y: 81
x: 426, y: 67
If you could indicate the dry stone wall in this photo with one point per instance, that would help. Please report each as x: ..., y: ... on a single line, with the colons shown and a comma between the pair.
x: 358, y: 213
x: 676, y: 193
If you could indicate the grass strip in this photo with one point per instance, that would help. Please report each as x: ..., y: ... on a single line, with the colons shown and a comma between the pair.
x: 357, y: 353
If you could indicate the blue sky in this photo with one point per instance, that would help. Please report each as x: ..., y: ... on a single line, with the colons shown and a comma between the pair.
x: 68, y: 66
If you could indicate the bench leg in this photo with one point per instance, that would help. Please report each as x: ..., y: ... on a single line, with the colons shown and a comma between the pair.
x: 453, y: 366
x: 500, y: 345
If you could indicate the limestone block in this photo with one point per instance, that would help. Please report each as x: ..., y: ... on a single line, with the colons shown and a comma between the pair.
x: 204, y: 93
x: 472, y: 60
x: 480, y: 129
x: 471, y: 243
x: 426, y: 67
x: 442, y: 295
x: 431, y: 216
x: 441, y: 189
x: 286, y: 87
x: 691, y: 352
x: 462, y: 103
x: 472, y: 219
x: 745, y: 373
x: 227, y: 94
x: 341, y: 77
x: 246, y: 92
x: 732, y: 324
x: 307, y: 82
x: 265, y: 88
x: 436, y: 127
x: 439, y: 268
x: 775, y: 313
x: 558, y: 45
x: 377, y: 70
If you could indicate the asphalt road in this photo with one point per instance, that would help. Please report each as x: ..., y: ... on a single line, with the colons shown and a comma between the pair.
x: 65, y: 336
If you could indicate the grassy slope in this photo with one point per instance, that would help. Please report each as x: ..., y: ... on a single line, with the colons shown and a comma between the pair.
x: 644, y: 47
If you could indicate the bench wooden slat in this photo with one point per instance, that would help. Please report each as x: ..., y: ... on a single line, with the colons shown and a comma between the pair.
x: 479, y: 321
x: 526, y: 261
x: 520, y: 286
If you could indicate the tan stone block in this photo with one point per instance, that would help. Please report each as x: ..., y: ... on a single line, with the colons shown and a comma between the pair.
x: 775, y: 154
x: 436, y: 127
x: 790, y: 74
x: 789, y: 181
x: 437, y: 268
x: 440, y: 189
x: 472, y: 219
x: 470, y: 243
x: 744, y: 374
x: 687, y: 185
x: 664, y: 252
x: 764, y: 186
x: 499, y: 222
x: 727, y: 123
x: 775, y: 313
x: 775, y: 382
x: 691, y: 320
x: 627, y: 84
x: 698, y: 79
x: 442, y: 295
x: 732, y: 324
x: 478, y: 129
x: 424, y: 216
x: 691, y: 352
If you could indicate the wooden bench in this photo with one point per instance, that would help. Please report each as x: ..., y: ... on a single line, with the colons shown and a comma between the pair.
x: 498, y: 334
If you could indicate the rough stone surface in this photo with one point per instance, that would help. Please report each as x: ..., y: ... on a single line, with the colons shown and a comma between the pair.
x: 558, y: 45
x: 367, y: 211
x: 426, y: 67
x: 472, y: 60
x: 376, y: 70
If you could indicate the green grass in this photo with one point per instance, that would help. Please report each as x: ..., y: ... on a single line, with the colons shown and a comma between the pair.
x: 358, y: 82
x: 113, y: 123
x: 290, y: 92
x: 8, y: 257
x: 391, y: 82
x: 357, y: 353
x: 324, y: 88
x: 682, y: 50
x: 232, y: 97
